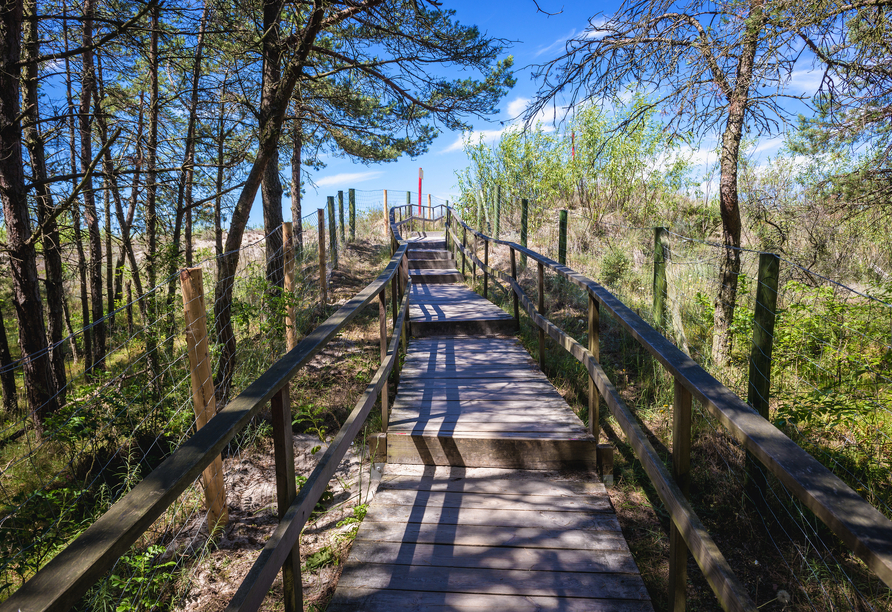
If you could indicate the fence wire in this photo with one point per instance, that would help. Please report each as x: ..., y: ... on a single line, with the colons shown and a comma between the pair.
x: 830, y: 371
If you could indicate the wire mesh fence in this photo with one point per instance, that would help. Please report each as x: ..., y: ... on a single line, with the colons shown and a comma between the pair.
x: 828, y: 366
x: 118, y: 423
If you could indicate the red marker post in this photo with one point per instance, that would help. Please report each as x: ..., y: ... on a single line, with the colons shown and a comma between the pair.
x: 420, y: 176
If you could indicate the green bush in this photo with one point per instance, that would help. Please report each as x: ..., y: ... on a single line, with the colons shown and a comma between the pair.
x: 614, y: 266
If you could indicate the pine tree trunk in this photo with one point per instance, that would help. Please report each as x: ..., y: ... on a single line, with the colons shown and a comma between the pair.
x: 271, y: 188
x: 88, y: 85
x: 296, y: 213
x: 110, y: 189
x: 76, y: 211
x: 39, y: 383
x: 7, y: 374
x: 52, y: 253
x: 151, y: 194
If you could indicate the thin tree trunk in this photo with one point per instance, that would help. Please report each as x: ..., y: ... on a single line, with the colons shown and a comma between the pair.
x: 110, y: 189
x: 72, y: 338
x: 151, y: 194
x: 7, y: 374
x: 272, y: 115
x: 271, y: 188
x: 296, y: 213
x: 22, y: 254
x: 75, y: 209
x: 729, y: 266
x: 88, y: 85
x: 52, y: 254
x: 218, y: 201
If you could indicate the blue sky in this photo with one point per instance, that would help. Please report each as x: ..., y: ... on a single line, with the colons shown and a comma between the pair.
x: 537, y: 38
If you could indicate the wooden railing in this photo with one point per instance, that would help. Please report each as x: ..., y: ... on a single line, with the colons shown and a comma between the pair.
x: 65, y: 579
x: 860, y: 526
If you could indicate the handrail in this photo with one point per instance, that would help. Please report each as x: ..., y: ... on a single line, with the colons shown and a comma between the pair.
x: 66, y: 578
x: 395, y: 225
x: 861, y: 527
x: 263, y: 573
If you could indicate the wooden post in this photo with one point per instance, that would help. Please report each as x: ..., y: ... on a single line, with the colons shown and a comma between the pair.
x: 562, y: 238
x: 474, y: 265
x: 290, y: 331
x: 681, y: 467
x: 332, y: 233
x: 759, y: 390
x: 479, y: 214
x: 351, y: 196
x: 486, y: 264
x: 323, y: 281
x: 409, y: 208
x: 283, y: 452
x: 524, y: 219
x: 341, y: 215
x: 430, y: 208
x: 204, y: 402
x: 661, y: 256
x: 498, y: 214
x: 514, y: 293
x: 594, y: 400
x: 386, y: 215
x: 405, y: 337
x: 464, y: 243
x: 541, y: 312
x: 382, y: 332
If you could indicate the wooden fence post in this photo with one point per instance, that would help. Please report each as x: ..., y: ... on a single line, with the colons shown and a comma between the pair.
x: 332, y: 233
x: 541, y: 312
x: 594, y: 347
x: 204, y: 402
x: 498, y: 213
x: 524, y: 220
x: 382, y: 332
x: 759, y: 390
x: 323, y: 280
x: 479, y: 214
x: 464, y: 243
x: 351, y: 196
x: 661, y: 255
x: 386, y: 215
x: 681, y: 466
x: 286, y: 491
x: 514, y: 293
x: 474, y: 265
x: 430, y: 207
x: 562, y: 238
x: 486, y: 265
x: 290, y: 331
x: 341, y: 215
x: 409, y: 209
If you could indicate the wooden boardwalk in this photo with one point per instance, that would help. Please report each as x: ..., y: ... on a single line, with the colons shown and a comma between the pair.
x: 489, y: 499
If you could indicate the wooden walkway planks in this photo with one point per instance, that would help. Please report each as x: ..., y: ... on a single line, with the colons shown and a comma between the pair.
x: 473, y: 538
x: 476, y: 509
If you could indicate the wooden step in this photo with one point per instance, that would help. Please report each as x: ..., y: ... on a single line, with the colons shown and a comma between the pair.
x: 428, y: 254
x: 433, y: 277
x: 432, y: 264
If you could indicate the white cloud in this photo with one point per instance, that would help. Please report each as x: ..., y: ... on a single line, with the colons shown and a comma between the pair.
x: 517, y: 106
x: 805, y: 82
x: 488, y: 136
x: 768, y: 144
x: 558, y: 44
x: 347, y: 178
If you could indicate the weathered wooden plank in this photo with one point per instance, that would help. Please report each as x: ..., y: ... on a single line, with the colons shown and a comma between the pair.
x: 373, y: 600
x: 494, y: 501
x: 435, y: 417
x: 534, y: 386
x: 544, y: 519
x: 473, y: 557
x: 508, y: 449
x: 450, y: 479
x: 496, y: 582
x: 533, y: 405
x: 445, y: 372
x: 437, y: 427
x: 418, y: 393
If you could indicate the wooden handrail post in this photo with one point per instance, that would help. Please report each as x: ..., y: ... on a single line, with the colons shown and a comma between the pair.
x: 430, y: 208
x: 524, y: 220
x: 464, y: 244
x: 351, y: 197
x: 395, y: 303
x: 681, y: 468
x: 332, y: 233
x: 562, y: 238
x: 594, y: 347
x: 541, y: 312
x: 283, y: 451
x: 204, y: 402
x: 409, y: 210
x: 514, y: 293
x: 382, y: 333
x: 474, y: 265
x: 661, y: 256
x: 341, y: 215
x: 323, y: 280
x: 759, y: 390
x: 446, y: 228
x: 290, y: 331
x: 405, y: 334
x: 486, y: 264
x: 498, y: 213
